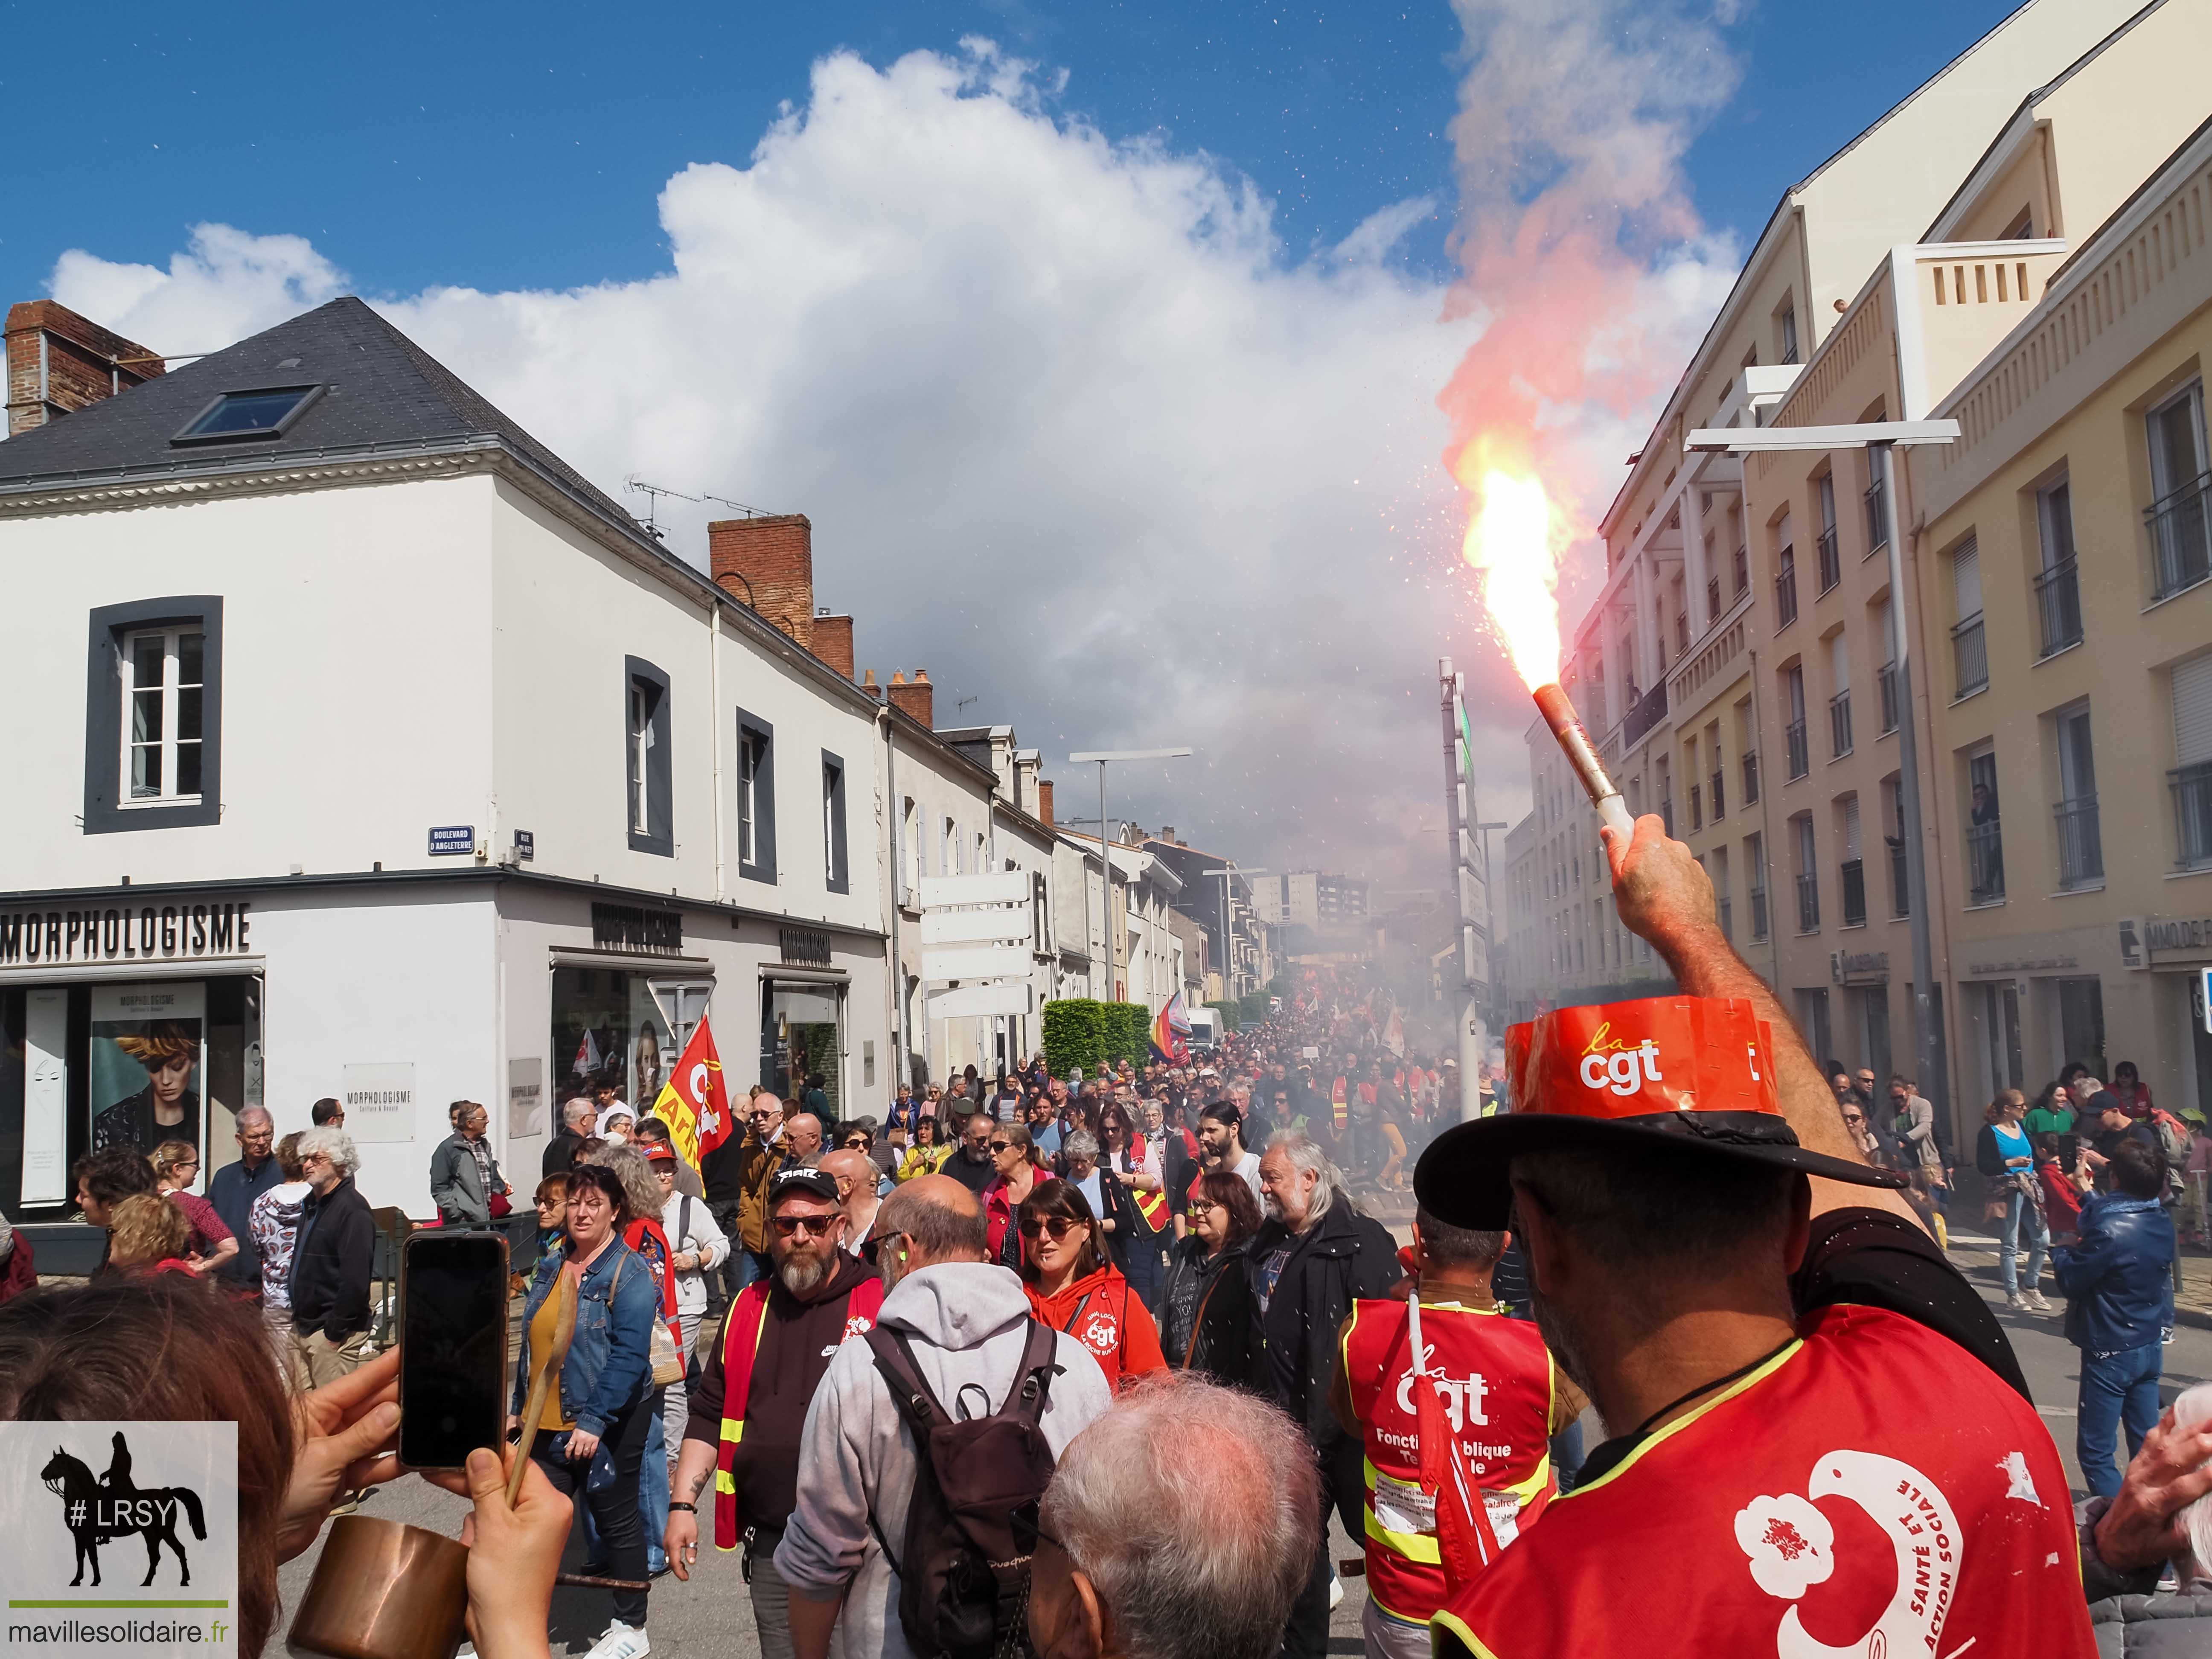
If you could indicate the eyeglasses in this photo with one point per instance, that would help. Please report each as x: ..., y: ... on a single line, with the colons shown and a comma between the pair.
x: 814, y: 1226
x: 870, y: 1247
x: 855, y: 1142
x: 1854, y: 1117
x: 1027, y: 1532
x: 1000, y: 1145
x: 1058, y: 1225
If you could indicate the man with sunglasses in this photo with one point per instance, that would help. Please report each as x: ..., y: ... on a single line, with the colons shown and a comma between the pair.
x: 970, y: 1165
x: 750, y: 1404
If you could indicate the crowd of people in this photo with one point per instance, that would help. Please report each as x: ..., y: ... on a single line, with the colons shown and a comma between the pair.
x: 1090, y: 1361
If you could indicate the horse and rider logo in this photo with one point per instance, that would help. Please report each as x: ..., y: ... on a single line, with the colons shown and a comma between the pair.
x: 98, y: 1509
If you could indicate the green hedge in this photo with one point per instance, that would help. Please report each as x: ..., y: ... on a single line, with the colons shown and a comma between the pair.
x: 1251, y: 1009
x: 1081, y: 1032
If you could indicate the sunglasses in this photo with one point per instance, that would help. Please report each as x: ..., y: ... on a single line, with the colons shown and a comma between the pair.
x: 1058, y: 1225
x: 855, y: 1142
x: 1027, y: 1532
x: 814, y: 1226
x: 870, y: 1247
x: 1000, y: 1145
x: 1853, y: 1117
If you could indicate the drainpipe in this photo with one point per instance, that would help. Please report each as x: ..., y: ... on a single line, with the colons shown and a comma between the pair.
x: 898, y: 873
x: 714, y: 730
x: 1766, y: 835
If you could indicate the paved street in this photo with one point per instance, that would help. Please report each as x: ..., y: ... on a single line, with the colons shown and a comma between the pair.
x: 711, y: 1616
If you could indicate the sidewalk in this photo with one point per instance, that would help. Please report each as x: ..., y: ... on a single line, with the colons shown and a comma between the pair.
x: 1976, y: 1255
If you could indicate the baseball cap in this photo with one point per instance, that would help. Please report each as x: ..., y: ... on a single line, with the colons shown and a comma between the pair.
x: 658, y: 1151
x: 1690, y: 1074
x: 813, y: 1183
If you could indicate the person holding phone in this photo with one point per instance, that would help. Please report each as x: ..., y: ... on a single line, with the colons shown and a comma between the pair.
x: 595, y: 1438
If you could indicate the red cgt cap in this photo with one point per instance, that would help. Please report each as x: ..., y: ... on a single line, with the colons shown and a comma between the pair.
x: 1691, y: 1073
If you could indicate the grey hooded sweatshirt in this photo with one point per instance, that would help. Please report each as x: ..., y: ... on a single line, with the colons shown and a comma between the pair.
x: 856, y: 1459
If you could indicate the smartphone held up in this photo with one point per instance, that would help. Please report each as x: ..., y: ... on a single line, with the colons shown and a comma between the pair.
x: 453, y: 1346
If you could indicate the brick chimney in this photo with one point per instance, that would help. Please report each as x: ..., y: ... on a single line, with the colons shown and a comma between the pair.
x: 59, y: 362
x: 833, y: 642
x: 767, y: 563
x: 915, y: 698
x: 1044, y: 801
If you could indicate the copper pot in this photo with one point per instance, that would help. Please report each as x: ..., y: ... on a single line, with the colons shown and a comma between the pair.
x: 382, y: 1591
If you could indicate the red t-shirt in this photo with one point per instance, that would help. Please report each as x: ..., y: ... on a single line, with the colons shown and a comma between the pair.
x: 1873, y: 1489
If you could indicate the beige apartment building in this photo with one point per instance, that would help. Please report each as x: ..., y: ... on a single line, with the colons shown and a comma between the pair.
x: 1737, y: 667
x: 2067, y: 580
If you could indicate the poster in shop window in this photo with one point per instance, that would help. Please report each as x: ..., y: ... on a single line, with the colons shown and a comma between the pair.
x: 147, y: 1079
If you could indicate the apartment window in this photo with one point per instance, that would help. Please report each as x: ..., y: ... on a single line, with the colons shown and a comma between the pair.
x: 911, y: 851
x: 152, y: 715
x: 2022, y: 228
x: 1786, y: 332
x: 1839, y: 703
x: 1754, y: 864
x: 1749, y: 753
x: 1809, y: 875
x: 1743, y: 572
x: 2080, y: 848
x: 2192, y: 778
x: 1785, y: 576
x: 1970, y: 656
x: 1853, y: 869
x: 645, y: 759
x: 1713, y: 747
x: 948, y: 850
x: 1717, y: 867
x: 1986, y: 874
x: 1886, y: 676
x: 2057, y: 590
x: 1813, y: 1020
x: 756, y: 797
x: 1793, y: 732
x: 1832, y: 564
x: 1877, y: 502
x: 836, y: 872
x: 2181, y: 526
x: 1892, y: 815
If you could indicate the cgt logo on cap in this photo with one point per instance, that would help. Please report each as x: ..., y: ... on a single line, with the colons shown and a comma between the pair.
x: 1624, y: 1070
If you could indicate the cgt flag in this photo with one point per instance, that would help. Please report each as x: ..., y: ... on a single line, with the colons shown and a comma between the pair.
x: 693, y: 1103
x: 1171, y: 1033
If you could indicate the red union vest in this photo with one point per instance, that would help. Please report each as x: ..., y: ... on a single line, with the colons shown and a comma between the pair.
x: 741, y: 1339
x: 1872, y: 1489
x: 1494, y: 1376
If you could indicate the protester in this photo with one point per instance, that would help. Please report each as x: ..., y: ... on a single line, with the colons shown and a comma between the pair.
x: 233, y: 1189
x: 1912, y: 1120
x: 577, y: 1118
x: 1221, y: 1144
x: 274, y: 1224
x: 2052, y: 1113
x: 643, y: 1234
x: 750, y: 1408
x: 696, y: 1248
x: 1751, y: 1334
x: 927, y: 1155
x: 1014, y: 1158
x: 855, y: 1176
x: 2007, y: 1161
x: 332, y: 1257
x: 1314, y: 1257
x: 2062, y: 1193
x: 1441, y: 1503
x: 966, y: 1323
x: 2133, y: 1092
x: 802, y: 1139
x: 1192, y: 1555
x: 328, y: 1113
x: 759, y: 1158
x: 651, y: 1133
x: 465, y: 1183
x: 1135, y: 1208
x: 594, y: 1442
x: 616, y: 1121
x: 1074, y: 1286
x: 551, y: 1200
x: 2119, y: 1307
x: 1205, y: 1307
x: 150, y: 1236
x: 210, y: 1242
x: 970, y: 1161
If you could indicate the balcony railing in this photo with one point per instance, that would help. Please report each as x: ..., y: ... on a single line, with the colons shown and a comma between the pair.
x: 1970, y: 654
x: 1854, y: 893
x: 1645, y: 713
x: 2080, y: 848
x: 1758, y: 913
x: 1901, y: 889
x: 1785, y: 596
x: 1728, y: 923
x: 2181, y: 537
x: 2192, y: 812
x: 1720, y: 808
x: 1839, y: 724
x: 2058, y: 596
x: 1886, y: 678
x: 1697, y: 807
x: 1750, y: 779
x: 1831, y: 568
x: 1801, y: 761
x: 1808, y: 903
x: 1985, y: 880
x: 1877, y: 517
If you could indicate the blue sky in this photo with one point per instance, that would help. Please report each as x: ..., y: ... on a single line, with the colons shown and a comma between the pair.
x: 507, y: 146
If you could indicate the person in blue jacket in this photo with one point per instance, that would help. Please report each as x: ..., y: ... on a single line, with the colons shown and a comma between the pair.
x: 2119, y: 1307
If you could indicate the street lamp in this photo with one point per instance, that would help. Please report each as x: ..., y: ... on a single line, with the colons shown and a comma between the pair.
x: 1105, y: 858
x: 1883, y: 438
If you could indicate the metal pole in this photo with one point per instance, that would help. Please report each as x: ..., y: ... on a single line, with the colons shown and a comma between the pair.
x: 1929, y: 1038
x: 1459, y: 817
x: 1106, y: 887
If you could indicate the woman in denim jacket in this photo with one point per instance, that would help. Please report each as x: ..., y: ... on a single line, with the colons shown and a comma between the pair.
x: 596, y: 1440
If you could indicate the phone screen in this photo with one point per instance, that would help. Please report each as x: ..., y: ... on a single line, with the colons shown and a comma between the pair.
x: 453, y: 1346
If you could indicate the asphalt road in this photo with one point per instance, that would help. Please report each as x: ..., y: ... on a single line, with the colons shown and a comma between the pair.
x: 712, y: 1616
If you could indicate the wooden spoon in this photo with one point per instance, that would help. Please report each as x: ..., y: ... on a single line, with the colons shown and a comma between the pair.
x: 544, y: 1373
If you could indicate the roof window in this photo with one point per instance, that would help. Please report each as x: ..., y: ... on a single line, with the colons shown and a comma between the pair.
x: 264, y: 412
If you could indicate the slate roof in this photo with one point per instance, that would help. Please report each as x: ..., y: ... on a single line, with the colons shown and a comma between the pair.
x: 381, y: 390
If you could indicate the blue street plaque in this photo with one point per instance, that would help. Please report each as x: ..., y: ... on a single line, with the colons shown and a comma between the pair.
x: 453, y: 840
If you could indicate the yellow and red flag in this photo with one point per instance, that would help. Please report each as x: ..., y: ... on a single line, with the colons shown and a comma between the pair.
x: 693, y: 1103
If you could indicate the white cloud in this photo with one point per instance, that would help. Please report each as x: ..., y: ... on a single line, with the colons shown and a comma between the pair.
x: 1075, y: 432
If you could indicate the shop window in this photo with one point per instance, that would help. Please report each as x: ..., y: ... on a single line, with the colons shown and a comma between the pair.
x: 622, y: 1028
x: 756, y: 797
x: 834, y: 870
x: 152, y: 735
x: 647, y: 758
x: 801, y: 1041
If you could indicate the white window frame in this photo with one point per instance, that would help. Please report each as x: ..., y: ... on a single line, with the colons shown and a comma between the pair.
x: 640, y: 756
x: 169, y: 743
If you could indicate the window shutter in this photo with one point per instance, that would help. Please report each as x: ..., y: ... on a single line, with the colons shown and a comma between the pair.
x: 1967, y: 579
x: 2193, y: 711
x: 1850, y: 828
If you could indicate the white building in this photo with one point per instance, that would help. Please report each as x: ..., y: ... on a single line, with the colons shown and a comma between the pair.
x: 408, y: 768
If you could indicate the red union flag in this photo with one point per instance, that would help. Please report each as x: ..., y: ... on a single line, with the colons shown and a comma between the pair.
x: 693, y: 1103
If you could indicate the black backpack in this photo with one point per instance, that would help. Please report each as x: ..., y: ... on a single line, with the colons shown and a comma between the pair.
x: 963, y: 1587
